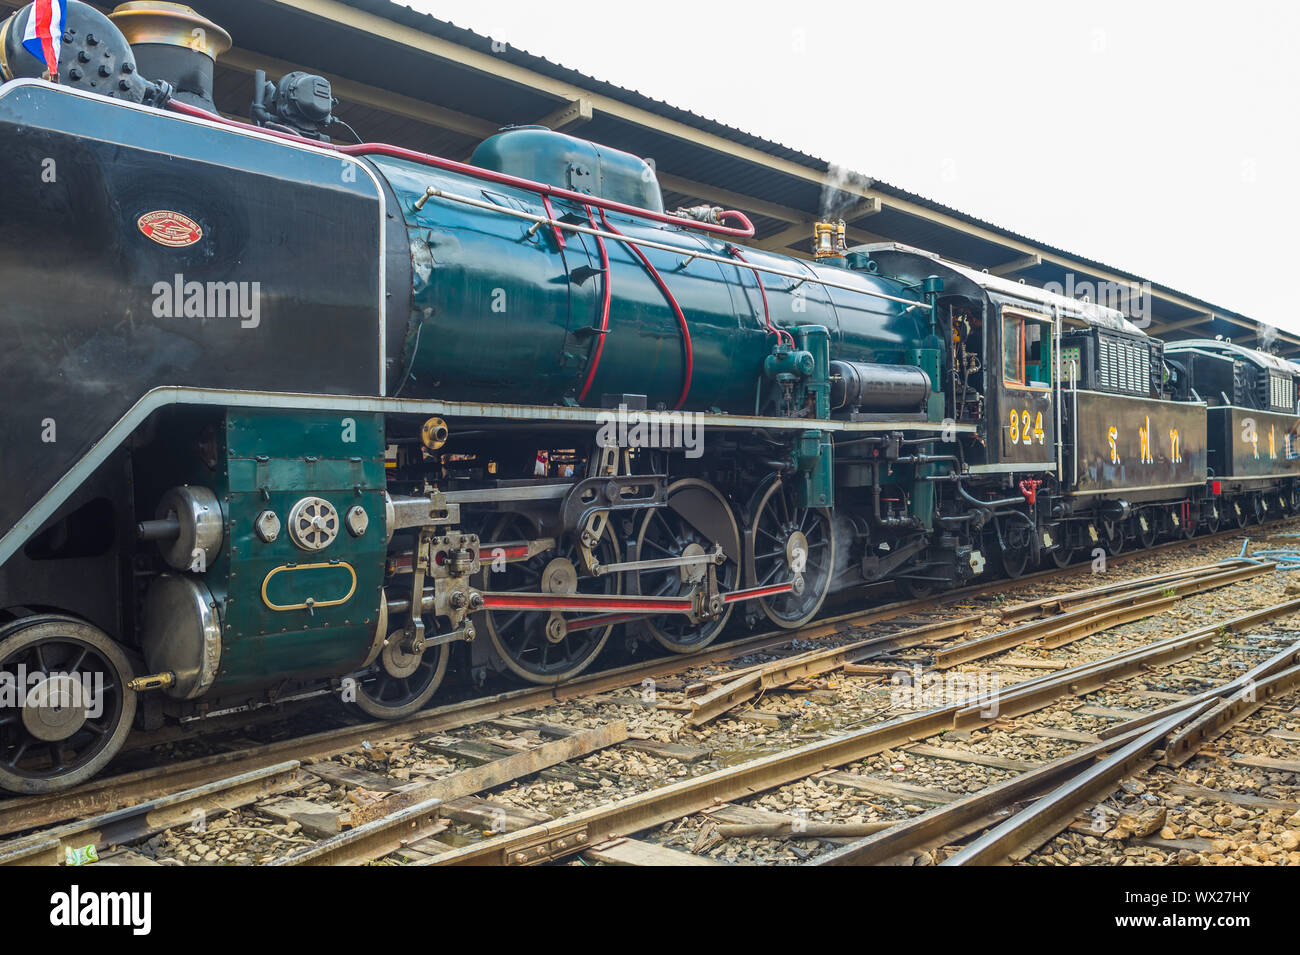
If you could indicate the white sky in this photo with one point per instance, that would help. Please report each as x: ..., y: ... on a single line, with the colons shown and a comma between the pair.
x: 1162, y: 138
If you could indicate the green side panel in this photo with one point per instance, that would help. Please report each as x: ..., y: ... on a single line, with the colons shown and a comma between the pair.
x: 274, y: 460
x: 816, y: 469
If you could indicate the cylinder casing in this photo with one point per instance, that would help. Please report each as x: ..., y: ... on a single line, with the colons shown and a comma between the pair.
x: 873, y: 387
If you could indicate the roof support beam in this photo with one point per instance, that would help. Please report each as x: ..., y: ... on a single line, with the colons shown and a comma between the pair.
x: 1017, y: 265
x: 780, y: 242
x: 569, y: 116
x: 732, y: 200
x: 800, y: 230
x: 861, y: 209
x: 351, y: 91
x: 1184, y: 323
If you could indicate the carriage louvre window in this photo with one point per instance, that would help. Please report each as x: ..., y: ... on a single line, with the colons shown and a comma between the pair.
x: 1281, y: 392
x: 1125, y: 366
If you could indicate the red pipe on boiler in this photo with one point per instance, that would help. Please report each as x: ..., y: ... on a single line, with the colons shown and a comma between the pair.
x: 689, y: 354
x: 599, y: 347
x: 767, y: 313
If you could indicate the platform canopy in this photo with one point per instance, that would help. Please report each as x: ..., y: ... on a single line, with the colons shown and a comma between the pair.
x: 409, y: 78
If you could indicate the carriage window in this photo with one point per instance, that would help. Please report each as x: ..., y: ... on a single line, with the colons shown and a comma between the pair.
x: 1026, y: 351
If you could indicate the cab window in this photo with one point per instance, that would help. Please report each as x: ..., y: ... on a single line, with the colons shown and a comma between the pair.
x: 1026, y: 350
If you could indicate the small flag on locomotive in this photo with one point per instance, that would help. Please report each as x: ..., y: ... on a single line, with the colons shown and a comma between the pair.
x: 44, y: 33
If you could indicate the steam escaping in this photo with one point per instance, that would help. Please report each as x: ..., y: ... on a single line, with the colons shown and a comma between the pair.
x: 1267, y: 337
x: 836, y: 201
x: 845, y: 572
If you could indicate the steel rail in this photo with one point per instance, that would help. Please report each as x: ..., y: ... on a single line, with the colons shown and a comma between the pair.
x: 1059, y: 603
x: 1093, y: 616
x: 751, y: 681
x: 1237, y: 699
x: 107, y: 793
x: 1242, y: 687
x: 111, y: 792
x: 625, y: 817
x: 374, y: 839
x: 944, y: 825
x: 1184, y: 744
x: 1087, y: 677
x: 143, y: 820
x: 1024, y: 832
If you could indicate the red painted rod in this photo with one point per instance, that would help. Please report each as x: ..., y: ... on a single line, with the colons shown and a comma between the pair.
x: 625, y: 605
x: 772, y: 590
x: 745, y: 230
x: 587, y: 602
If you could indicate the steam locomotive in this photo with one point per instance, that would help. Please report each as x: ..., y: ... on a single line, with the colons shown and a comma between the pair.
x: 284, y: 418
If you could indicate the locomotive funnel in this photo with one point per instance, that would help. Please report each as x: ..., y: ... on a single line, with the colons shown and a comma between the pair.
x: 175, y: 43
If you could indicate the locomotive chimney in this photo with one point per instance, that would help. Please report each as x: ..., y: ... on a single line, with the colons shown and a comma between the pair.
x: 175, y: 43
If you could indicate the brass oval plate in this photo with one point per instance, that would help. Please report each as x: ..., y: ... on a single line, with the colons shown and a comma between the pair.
x: 295, y: 590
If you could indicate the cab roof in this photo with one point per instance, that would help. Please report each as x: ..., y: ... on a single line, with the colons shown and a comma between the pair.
x: 1004, y: 291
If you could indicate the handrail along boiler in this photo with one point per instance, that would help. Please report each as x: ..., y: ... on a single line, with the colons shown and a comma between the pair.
x: 283, y: 417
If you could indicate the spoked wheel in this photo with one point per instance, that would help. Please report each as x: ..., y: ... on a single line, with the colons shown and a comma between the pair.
x: 72, y: 709
x: 1263, y: 509
x: 1013, y: 545
x: 1145, y: 529
x: 696, y: 518
x: 1238, y: 514
x: 1213, y: 518
x: 1112, y: 537
x: 792, y: 544
x: 1256, y: 509
x: 401, y: 683
x: 917, y: 589
x: 536, y: 645
x: 1062, y: 557
x: 1293, y: 499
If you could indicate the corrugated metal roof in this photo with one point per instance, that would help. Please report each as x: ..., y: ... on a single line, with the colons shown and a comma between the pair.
x: 799, y: 195
x: 281, y: 31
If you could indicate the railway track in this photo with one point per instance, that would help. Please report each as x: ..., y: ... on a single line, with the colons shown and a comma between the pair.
x: 118, y: 810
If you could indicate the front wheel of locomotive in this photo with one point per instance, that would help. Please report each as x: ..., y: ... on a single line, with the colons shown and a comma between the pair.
x: 402, y: 683
x: 695, y: 519
x: 792, y: 544
x: 72, y: 709
x: 537, y: 645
